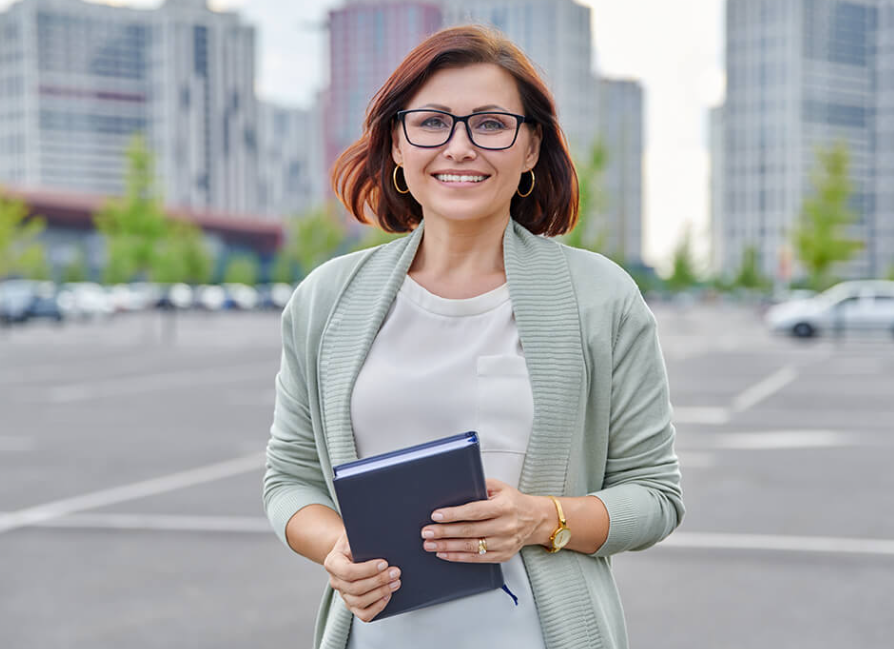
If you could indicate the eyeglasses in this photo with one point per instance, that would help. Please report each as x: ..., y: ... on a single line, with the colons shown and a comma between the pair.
x: 429, y: 129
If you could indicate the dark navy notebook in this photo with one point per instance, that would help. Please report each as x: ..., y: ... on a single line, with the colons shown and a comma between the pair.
x: 387, y: 499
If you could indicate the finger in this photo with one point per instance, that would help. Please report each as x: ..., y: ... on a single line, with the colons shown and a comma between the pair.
x: 480, y: 510
x: 362, y: 587
x: 465, y: 546
x: 468, y: 557
x: 344, y: 568
x: 368, y: 614
x: 365, y: 600
x: 464, y: 530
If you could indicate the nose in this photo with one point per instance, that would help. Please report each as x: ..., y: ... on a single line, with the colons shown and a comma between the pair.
x: 459, y: 146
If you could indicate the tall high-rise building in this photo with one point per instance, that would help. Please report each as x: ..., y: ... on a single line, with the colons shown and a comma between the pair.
x: 367, y: 41
x: 803, y: 74
x: 78, y: 80
x: 291, y: 179
x: 556, y: 36
x: 621, y: 130
x: 206, y: 113
x: 718, y: 227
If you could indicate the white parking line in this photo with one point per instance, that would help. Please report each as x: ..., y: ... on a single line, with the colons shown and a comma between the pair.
x: 163, y: 522
x: 701, y: 415
x: 772, y: 440
x: 149, y: 382
x: 60, y: 508
x: 766, y: 388
x: 767, y: 542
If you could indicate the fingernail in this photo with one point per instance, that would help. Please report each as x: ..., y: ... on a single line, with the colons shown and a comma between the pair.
x: 437, y: 517
x: 428, y: 534
x: 395, y: 585
x: 386, y: 598
x: 393, y: 574
x: 382, y: 565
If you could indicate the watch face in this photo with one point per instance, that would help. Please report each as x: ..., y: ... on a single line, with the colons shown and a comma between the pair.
x: 562, y: 538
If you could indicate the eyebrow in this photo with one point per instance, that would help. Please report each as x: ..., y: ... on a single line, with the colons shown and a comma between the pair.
x: 475, y: 110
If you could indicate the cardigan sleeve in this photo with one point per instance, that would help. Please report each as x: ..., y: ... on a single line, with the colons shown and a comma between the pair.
x: 294, y: 478
x: 641, y: 490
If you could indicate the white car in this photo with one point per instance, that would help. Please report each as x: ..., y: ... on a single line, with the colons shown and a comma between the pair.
x: 864, y: 305
x: 85, y: 300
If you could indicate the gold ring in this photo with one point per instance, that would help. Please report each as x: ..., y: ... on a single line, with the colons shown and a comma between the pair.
x: 482, y: 546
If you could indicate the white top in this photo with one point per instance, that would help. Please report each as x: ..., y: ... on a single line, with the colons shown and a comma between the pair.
x: 463, y: 363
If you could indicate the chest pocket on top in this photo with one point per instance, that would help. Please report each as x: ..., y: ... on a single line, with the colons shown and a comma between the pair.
x: 505, y: 404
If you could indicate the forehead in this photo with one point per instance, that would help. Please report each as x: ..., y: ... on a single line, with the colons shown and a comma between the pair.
x: 464, y: 89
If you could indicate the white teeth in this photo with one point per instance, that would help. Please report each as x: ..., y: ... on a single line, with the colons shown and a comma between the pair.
x: 453, y: 178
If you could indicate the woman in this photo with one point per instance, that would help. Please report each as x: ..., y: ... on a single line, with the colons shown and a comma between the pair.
x: 473, y: 322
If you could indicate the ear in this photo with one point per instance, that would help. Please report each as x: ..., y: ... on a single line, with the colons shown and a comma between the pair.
x: 532, y: 154
x: 396, y: 135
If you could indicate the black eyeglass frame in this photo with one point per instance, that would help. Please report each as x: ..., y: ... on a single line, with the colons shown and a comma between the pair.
x: 520, y: 119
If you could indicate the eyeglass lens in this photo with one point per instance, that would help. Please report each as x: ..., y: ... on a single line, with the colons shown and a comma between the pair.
x: 489, y: 130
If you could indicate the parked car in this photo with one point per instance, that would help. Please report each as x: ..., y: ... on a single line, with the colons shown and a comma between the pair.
x: 241, y: 297
x: 24, y: 299
x: 274, y: 296
x: 176, y: 296
x: 85, y: 300
x: 210, y: 297
x: 863, y: 305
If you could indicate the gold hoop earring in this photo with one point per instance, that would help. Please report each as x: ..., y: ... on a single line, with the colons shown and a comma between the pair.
x: 533, y: 180
x: 394, y: 180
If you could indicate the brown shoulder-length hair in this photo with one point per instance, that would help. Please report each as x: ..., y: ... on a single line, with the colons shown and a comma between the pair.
x: 362, y: 174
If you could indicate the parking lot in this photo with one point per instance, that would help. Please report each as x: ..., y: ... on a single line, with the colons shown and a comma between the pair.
x: 131, y: 455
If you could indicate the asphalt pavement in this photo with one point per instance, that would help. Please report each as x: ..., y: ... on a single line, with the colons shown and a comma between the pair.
x: 131, y: 459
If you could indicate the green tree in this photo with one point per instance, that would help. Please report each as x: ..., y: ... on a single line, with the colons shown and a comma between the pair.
x: 819, y: 237
x: 749, y: 275
x: 241, y: 269
x: 135, y: 225
x: 20, y: 250
x: 589, y: 233
x: 76, y: 270
x: 683, y: 275
x: 891, y: 272
x: 314, y: 237
x: 182, y: 256
x: 283, y: 267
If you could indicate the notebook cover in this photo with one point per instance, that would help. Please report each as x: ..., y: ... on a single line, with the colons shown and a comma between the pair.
x: 384, y: 511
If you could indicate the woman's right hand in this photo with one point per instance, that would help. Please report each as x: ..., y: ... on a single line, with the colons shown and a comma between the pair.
x: 365, y: 587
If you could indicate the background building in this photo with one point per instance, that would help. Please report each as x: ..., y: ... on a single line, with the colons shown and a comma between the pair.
x: 367, y: 41
x: 205, y: 112
x: 79, y: 80
x: 556, y: 35
x: 718, y: 225
x: 800, y: 74
x: 291, y: 179
x: 621, y: 130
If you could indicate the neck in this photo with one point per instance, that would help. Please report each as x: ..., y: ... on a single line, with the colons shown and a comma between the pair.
x: 454, y: 253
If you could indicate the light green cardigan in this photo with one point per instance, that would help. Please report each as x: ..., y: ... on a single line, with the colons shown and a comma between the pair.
x: 602, y: 416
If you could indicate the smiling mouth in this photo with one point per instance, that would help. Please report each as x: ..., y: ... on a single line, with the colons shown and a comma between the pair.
x: 458, y: 179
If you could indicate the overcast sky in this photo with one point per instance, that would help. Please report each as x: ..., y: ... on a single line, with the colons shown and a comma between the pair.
x: 674, y: 48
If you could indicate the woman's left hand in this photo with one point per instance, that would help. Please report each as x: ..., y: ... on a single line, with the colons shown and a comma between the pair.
x: 506, y: 520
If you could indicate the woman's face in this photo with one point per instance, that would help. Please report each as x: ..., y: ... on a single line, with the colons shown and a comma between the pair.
x: 461, y: 91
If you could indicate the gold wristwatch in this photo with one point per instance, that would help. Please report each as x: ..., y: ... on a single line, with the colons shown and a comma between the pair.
x: 562, y: 535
